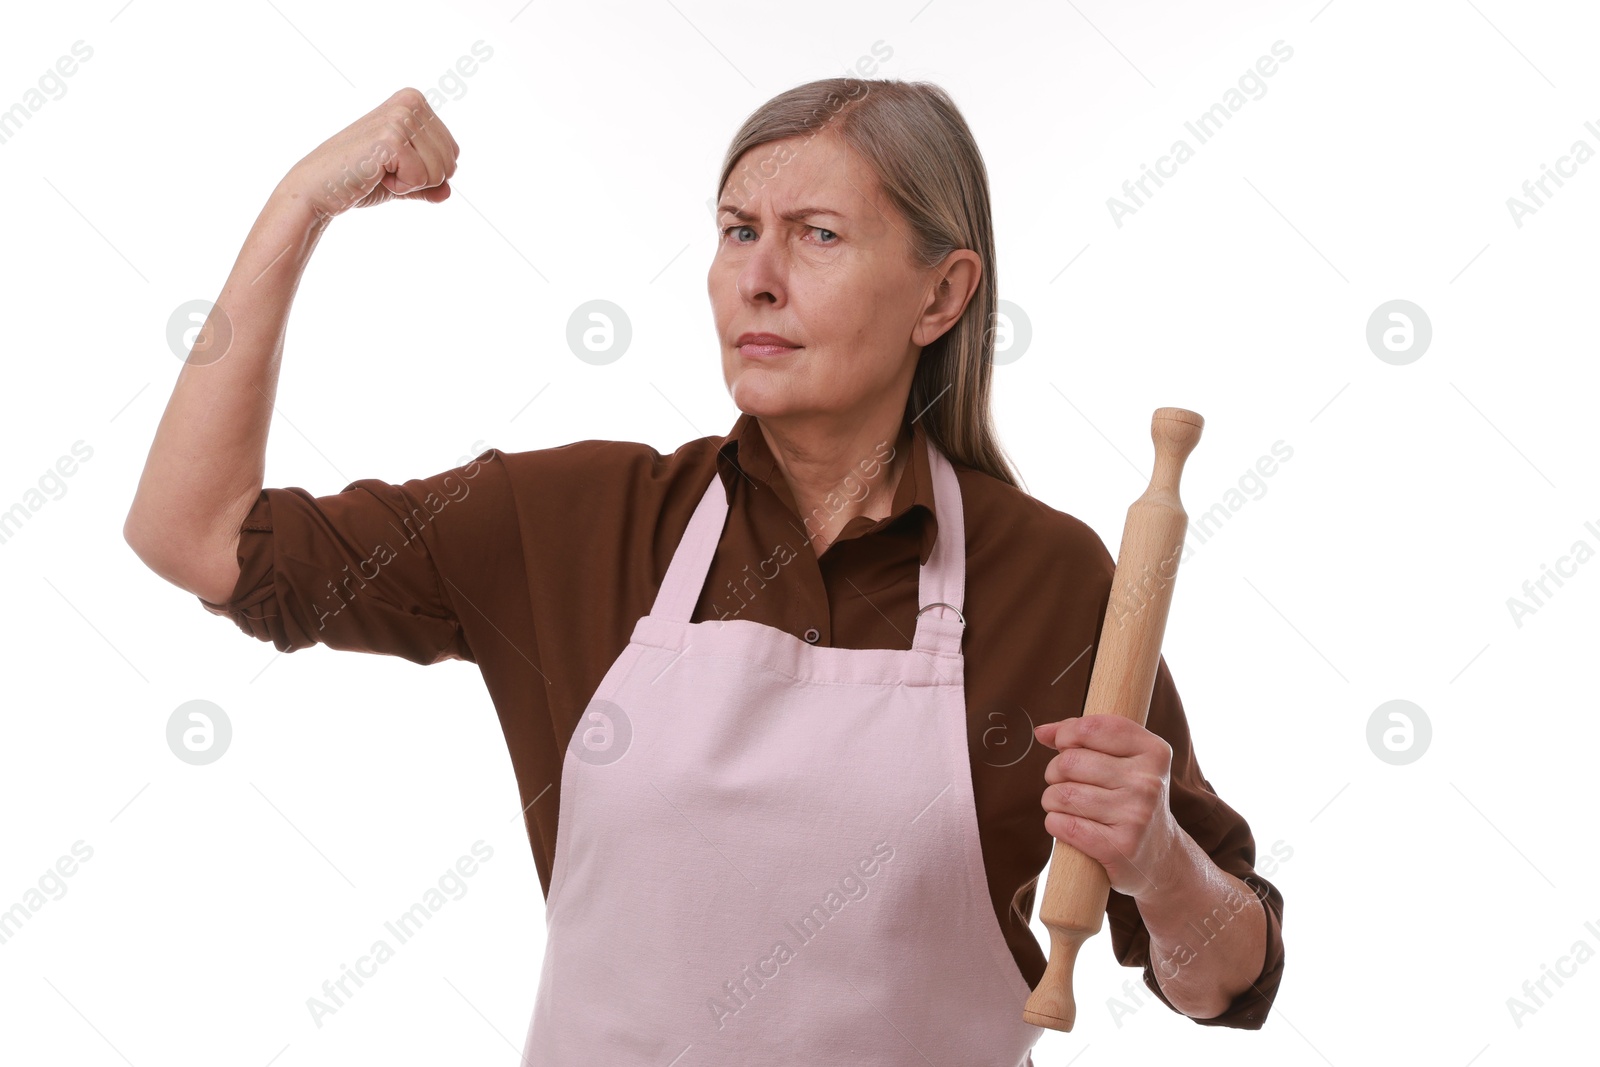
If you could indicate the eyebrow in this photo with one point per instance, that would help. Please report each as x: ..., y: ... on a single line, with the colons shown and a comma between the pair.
x: 791, y: 216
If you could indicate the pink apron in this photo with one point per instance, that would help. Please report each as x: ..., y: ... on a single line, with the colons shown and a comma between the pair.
x: 768, y: 850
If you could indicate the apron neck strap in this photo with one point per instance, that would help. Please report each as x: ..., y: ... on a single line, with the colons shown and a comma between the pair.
x: 941, y: 583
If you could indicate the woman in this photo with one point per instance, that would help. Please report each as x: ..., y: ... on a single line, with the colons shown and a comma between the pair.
x: 781, y: 686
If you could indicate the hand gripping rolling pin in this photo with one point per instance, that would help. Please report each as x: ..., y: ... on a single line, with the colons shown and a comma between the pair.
x: 1120, y: 683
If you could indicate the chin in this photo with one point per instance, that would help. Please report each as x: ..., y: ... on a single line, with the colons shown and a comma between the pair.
x: 759, y: 403
x: 755, y: 392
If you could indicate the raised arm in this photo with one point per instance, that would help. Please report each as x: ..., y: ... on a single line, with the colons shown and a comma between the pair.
x: 206, y: 465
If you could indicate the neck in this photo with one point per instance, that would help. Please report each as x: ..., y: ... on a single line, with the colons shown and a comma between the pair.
x: 838, y: 467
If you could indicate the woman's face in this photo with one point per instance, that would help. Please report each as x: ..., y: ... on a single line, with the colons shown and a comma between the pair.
x: 810, y: 251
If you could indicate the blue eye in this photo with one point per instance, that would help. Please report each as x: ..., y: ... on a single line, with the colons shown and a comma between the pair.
x: 745, y: 226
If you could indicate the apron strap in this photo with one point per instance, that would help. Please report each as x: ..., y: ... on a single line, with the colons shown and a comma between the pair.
x: 941, y: 582
x: 686, y: 574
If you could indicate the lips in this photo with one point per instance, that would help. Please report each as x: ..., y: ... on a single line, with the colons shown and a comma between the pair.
x: 758, y: 345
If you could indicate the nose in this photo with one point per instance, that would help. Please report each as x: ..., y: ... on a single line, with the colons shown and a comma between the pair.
x: 762, y: 277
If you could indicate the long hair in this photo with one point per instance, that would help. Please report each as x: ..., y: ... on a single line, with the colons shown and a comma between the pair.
x: 929, y: 168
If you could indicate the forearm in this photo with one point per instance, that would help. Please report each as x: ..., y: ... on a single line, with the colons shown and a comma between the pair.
x: 1208, y: 933
x: 206, y: 464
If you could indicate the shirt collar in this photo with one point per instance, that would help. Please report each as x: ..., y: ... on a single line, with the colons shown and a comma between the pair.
x: 743, y: 455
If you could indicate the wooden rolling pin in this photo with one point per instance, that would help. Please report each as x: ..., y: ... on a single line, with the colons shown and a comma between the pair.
x: 1120, y: 683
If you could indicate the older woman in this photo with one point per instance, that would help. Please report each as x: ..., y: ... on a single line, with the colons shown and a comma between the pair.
x: 795, y: 695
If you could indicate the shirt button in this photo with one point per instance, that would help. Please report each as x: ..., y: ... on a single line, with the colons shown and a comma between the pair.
x: 812, y: 635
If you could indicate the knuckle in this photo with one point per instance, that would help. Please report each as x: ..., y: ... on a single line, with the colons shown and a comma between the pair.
x: 401, y: 124
x: 389, y: 138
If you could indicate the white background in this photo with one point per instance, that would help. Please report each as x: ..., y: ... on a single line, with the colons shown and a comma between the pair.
x: 1376, y: 564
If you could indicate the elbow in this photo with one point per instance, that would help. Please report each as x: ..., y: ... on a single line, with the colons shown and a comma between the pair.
x: 142, y: 533
x: 137, y: 537
x: 133, y: 536
x: 208, y: 574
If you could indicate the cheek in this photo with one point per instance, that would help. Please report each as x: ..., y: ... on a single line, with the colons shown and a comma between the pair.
x: 844, y: 309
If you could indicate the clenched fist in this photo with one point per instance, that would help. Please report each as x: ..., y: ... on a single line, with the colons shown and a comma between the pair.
x: 398, y: 150
x: 1107, y: 797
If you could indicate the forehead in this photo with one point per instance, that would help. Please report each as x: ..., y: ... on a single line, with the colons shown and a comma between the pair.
x: 803, y: 170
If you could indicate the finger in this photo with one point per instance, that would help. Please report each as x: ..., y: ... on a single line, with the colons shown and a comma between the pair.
x: 1082, y: 834
x: 433, y: 145
x: 1100, y: 845
x: 406, y: 171
x: 417, y: 164
x: 1111, y: 734
x: 447, y: 142
x: 1084, y: 801
x: 1088, y: 837
x: 1088, y: 766
x: 434, y: 195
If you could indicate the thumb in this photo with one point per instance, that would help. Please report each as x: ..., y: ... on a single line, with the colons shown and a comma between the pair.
x: 401, y: 191
x: 433, y: 194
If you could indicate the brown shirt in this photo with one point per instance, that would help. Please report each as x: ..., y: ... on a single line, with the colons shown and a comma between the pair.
x: 535, y: 566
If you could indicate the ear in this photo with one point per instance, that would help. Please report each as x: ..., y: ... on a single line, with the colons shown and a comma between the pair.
x: 951, y: 285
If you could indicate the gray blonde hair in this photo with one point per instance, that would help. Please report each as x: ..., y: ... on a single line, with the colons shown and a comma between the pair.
x: 928, y: 167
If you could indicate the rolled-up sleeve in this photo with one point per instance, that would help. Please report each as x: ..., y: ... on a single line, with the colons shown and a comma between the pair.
x: 1226, y: 837
x: 376, y: 567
